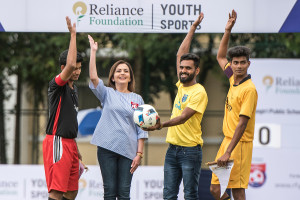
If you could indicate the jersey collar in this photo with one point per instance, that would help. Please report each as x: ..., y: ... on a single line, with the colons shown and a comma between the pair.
x: 244, y: 80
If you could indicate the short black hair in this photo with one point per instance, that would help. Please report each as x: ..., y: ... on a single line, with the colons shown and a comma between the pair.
x: 63, y: 57
x: 191, y: 56
x: 238, y: 51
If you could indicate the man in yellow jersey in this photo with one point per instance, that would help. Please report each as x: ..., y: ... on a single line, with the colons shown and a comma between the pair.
x: 184, y: 155
x: 239, y: 117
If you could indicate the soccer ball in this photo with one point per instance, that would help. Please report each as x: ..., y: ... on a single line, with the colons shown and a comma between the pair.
x: 145, y: 116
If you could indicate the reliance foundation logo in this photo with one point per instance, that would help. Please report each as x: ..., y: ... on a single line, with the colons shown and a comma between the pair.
x: 79, y: 9
x: 108, y: 14
x: 282, y: 85
x: 268, y: 82
x: 257, y: 175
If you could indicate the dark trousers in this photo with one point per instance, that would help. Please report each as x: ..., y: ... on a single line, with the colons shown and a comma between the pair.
x: 182, y: 163
x: 115, y: 170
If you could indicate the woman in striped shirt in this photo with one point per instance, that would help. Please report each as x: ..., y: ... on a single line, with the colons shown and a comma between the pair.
x: 119, y: 140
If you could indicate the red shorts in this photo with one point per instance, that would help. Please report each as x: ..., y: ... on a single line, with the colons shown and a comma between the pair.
x: 61, y: 163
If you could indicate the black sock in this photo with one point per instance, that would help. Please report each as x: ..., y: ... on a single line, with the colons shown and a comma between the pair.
x: 64, y: 198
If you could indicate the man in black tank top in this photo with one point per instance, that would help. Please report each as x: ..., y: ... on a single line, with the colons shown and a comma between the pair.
x: 59, y: 144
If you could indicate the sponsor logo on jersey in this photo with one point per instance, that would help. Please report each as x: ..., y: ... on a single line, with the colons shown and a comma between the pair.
x: 228, y: 106
x: 184, y: 98
x: 134, y: 105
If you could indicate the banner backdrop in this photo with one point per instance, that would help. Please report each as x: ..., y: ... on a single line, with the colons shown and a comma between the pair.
x: 275, y: 172
x: 273, y: 176
x: 27, y: 182
x: 278, y: 85
x: 153, y: 16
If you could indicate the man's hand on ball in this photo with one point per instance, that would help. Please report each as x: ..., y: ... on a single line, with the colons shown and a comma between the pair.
x: 157, y: 126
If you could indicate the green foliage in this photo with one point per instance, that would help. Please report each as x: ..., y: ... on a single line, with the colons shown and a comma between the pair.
x: 269, y: 45
x: 5, y: 55
x: 292, y: 43
x: 34, y: 57
x: 31, y: 56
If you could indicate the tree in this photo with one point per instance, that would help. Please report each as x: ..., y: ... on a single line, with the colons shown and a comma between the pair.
x: 4, y: 86
x: 292, y: 42
x: 269, y: 45
x: 3, y: 159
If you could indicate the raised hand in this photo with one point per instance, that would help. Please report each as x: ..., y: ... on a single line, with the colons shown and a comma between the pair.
x: 231, y: 20
x: 93, y: 44
x: 199, y: 20
x: 71, y: 28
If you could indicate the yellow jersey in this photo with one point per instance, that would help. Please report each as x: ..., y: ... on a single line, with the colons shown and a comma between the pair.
x: 188, y: 134
x: 241, y: 100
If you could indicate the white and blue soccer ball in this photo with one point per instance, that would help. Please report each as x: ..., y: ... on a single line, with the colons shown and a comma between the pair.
x: 145, y: 116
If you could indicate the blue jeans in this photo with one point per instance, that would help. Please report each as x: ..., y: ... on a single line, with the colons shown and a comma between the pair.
x: 115, y: 170
x: 182, y: 163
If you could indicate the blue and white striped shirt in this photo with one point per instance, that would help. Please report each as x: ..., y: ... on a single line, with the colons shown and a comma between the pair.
x: 116, y: 130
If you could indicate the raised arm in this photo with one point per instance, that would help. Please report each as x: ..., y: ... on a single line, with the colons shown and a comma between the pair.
x: 186, y: 43
x: 72, y: 53
x: 92, y: 69
x: 221, y: 56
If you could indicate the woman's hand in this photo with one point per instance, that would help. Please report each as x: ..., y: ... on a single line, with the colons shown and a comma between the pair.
x: 93, y: 44
x: 135, y: 163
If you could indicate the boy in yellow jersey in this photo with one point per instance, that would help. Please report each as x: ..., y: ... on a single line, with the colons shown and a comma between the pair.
x: 184, y: 155
x: 239, y: 117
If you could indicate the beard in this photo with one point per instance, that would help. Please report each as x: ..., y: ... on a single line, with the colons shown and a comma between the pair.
x: 187, y: 79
